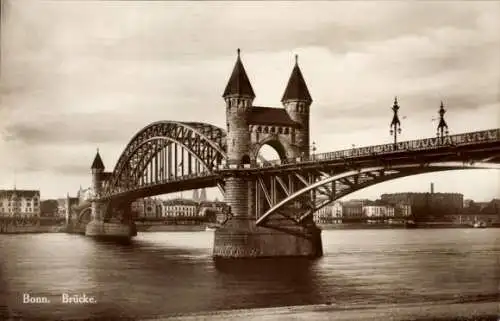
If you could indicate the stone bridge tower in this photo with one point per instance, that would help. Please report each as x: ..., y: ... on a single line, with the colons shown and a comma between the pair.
x: 297, y: 100
x: 250, y: 127
x: 97, y: 181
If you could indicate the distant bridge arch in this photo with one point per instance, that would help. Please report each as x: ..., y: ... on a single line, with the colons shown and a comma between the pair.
x: 84, y: 216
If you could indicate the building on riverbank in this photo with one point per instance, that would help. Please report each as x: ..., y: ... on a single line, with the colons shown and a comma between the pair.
x: 180, y: 208
x: 64, y: 205
x: 378, y: 211
x: 353, y: 209
x: 428, y: 206
x: 149, y: 207
x: 471, y: 219
x: 358, y: 210
x: 330, y: 214
x: 15, y: 202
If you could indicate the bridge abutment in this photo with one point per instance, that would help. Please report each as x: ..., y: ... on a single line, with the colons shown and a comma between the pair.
x: 240, y: 237
x: 99, y: 228
x: 110, y: 230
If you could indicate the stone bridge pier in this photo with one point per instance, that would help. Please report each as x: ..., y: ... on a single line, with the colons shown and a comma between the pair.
x: 240, y: 237
x: 285, y: 129
x: 101, y: 226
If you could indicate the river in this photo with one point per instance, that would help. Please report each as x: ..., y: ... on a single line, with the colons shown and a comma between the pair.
x: 171, y: 273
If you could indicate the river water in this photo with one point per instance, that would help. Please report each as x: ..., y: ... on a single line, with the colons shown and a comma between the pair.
x: 173, y: 272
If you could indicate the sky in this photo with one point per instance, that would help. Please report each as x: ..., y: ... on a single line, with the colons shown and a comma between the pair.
x: 81, y: 75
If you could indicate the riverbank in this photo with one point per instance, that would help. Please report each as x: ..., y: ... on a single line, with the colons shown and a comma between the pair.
x: 366, y: 226
x: 169, y: 228
x: 437, y: 311
x: 34, y: 229
x: 12, y: 229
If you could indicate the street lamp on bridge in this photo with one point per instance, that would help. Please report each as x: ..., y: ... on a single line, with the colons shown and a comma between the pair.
x: 313, y: 149
x: 395, y: 124
x: 442, y: 129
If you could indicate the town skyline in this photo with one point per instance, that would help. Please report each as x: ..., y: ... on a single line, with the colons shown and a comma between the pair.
x: 73, y: 81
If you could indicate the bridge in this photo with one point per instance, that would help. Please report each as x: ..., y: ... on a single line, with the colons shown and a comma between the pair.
x: 271, y: 203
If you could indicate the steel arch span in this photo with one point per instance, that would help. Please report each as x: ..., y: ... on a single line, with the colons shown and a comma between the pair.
x: 166, y: 150
x: 324, y: 188
x: 84, y: 216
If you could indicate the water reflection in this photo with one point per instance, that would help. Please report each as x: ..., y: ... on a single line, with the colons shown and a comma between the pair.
x: 286, y: 281
x: 168, y: 273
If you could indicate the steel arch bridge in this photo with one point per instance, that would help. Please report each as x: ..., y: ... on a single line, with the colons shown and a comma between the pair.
x: 168, y: 156
x: 326, y: 187
x: 167, y: 151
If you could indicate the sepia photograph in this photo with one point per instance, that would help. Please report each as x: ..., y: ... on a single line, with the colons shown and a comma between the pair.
x: 249, y: 160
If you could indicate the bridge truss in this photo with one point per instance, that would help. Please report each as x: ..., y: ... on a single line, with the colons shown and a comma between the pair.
x: 296, y: 196
x: 165, y: 152
x: 167, y: 157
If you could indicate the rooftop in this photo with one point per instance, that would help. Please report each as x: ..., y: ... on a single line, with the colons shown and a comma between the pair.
x: 238, y: 83
x: 296, y: 88
x: 270, y: 116
x: 97, y: 163
x: 19, y: 193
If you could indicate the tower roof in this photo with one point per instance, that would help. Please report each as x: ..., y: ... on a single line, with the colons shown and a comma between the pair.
x: 97, y: 163
x: 296, y: 88
x: 238, y: 83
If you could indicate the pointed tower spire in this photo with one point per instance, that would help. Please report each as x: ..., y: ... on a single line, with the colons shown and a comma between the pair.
x: 203, y: 195
x: 97, y: 163
x: 196, y: 198
x: 239, y: 84
x: 296, y: 88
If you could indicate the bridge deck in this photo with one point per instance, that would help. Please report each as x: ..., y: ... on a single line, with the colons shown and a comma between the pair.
x: 461, y: 147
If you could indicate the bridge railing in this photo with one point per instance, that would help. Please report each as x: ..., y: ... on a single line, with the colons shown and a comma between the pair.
x: 413, y: 145
x: 492, y: 135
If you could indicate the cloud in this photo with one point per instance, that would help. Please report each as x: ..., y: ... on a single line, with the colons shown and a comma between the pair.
x: 68, y: 129
x: 76, y: 76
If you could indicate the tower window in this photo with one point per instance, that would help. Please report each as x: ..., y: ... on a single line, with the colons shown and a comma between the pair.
x: 245, y: 159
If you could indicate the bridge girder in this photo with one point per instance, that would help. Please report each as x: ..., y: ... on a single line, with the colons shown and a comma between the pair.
x: 152, y: 154
x: 297, y: 195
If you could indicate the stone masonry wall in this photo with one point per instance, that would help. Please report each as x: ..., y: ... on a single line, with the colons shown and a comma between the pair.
x: 299, y: 112
x: 238, y: 136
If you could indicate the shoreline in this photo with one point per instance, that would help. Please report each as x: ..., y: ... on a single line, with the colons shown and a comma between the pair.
x: 14, y: 230
x: 169, y: 228
x: 423, y: 225
x: 202, y: 228
x: 432, y: 311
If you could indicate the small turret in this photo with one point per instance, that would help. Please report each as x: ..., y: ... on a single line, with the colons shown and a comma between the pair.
x: 97, y: 170
x: 196, y: 198
x: 238, y: 86
x: 97, y: 164
x: 203, y: 195
x: 297, y: 100
x: 296, y: 89
x: 239, y: 96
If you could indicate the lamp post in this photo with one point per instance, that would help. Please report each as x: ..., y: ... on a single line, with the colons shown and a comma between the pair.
x: 442, y: 129
x: 313, y: 149
x: 395, y: 124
